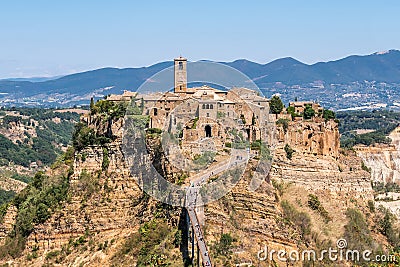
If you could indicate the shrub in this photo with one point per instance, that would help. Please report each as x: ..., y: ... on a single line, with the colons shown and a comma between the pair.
x: 284, y: 123
x: 278, y: 186
x: 364, y: 167
x: 328, y: 114
x: 300, y: 220
x: 315, y: 204
x: 52, y: 254
x: 204, y: 159
x: 106, y: 160
x: 289, y: 151
x: 154, y: 131
x: 144, y: 244
x: 224, y: 245
x: 84, y: 136
x: 195, y: 120
x: 309, y: 112
x: 6, y: 196
x: 371, y: 205
x: 356, y: 231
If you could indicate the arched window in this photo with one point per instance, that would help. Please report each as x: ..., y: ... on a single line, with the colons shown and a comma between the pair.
x: 211, y: 106
x: 207, y: 106
x: 204, y: 106
x: 207, y: 129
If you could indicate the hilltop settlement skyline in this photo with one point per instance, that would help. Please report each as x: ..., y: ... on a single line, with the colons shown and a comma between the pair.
x: 355, y: 82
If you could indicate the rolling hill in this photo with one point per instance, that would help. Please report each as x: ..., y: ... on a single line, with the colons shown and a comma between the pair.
x: 288, y: 72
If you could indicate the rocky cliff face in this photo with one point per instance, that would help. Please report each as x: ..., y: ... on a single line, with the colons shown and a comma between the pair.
x: 106, y: 204
x: 316, y: 136
x: 384, y: 160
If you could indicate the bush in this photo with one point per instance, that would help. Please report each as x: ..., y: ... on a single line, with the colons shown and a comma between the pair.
x: 386, y: 228
x: 284, y: 123
x: 106, y: 160
x: 364, y: 167
x: 315, y: 204
x: 154, y: 131
x: 371, y: 206
x: 300, y: 220
x: 328, y: 114
x: 356, y: 231
x: 144, y: 244
x: 110, y: 108
x: 195, y: 120
x: 84, y: 136
x: 224, y: 245
x: 6, y: 196
x: 309, y: 112
x: 204, y: 159
x: 289, y: 152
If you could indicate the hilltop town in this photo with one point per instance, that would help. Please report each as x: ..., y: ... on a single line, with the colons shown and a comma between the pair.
x: 90, y: 210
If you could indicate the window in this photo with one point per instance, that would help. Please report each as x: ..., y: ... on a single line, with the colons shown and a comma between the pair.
x: 207, y: 129
x: 180, y: 65
x: 207, y: 106
x: 208, y: 114
x: 211, y: 106
x: 155, y: 112
x: 204, y: 106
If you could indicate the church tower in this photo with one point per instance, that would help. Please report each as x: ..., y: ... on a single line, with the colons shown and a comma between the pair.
x: 180, y: 75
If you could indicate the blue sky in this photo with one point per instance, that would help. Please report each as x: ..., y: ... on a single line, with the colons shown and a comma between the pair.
x: 47, y: 38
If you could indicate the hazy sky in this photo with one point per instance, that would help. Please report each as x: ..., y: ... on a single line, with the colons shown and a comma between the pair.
x: 47, y: 38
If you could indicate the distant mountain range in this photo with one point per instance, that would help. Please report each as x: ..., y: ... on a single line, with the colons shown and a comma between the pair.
x: 282, y: 73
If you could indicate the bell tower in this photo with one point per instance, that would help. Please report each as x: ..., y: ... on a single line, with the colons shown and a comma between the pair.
x: 180, y: 78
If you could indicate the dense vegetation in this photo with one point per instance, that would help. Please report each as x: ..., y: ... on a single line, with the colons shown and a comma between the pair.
x: 382, y: 122
x: 43, y: 148
x: 106, y: 112
x: 35, y: 204
x: 6, y: 196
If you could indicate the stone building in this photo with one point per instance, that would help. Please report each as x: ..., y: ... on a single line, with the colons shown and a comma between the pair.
x: 300, y: 106
x: 200, y: 115
x: 204, y: 115
x: 126, y: 96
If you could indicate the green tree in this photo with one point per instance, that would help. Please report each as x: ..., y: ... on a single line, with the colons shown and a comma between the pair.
x: 91, y: 105
x: 328, y: 114
x: 309, y: 112
x: 275, y: 105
